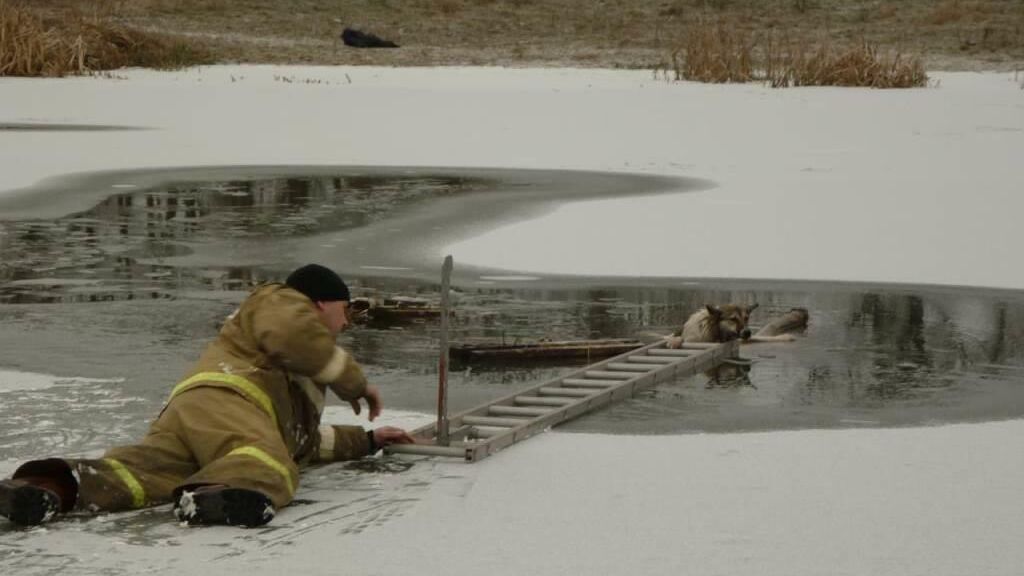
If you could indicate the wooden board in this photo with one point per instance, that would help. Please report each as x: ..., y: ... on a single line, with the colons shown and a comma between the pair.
x: 596, y: 349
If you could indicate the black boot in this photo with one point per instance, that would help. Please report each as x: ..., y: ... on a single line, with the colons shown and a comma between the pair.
x: 204, y: 505
x: 27, y: 504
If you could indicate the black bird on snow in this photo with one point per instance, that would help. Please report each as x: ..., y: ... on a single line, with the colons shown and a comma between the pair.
x: 357, y: 39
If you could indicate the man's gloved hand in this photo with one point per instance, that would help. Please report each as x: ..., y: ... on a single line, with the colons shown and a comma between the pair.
x: 386, y: 435
x: 373, y: 402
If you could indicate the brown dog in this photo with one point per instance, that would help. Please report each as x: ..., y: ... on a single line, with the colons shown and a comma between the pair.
x: 722, y: 324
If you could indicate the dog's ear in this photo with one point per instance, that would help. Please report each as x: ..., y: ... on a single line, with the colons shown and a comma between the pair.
x: 752, y: 307
x: 713, y: 310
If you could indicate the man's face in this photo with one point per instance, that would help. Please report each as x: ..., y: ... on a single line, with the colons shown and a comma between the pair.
x: 334, y: 314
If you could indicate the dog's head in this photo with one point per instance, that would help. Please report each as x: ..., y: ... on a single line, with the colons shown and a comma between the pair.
x: 732, y: 320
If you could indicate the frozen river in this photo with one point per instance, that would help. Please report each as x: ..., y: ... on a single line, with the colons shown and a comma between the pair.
x: 119, y: 297
x: 881, y: 442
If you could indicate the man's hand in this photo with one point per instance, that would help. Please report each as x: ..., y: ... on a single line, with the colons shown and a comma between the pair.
x: 386, y: 435
x: 372, y: 396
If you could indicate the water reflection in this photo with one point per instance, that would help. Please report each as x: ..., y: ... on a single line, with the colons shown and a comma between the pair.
x: 868, y: 357
x: 117, y: 246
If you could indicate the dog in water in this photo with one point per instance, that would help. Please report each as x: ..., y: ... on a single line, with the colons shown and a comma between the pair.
x: 730, y: 321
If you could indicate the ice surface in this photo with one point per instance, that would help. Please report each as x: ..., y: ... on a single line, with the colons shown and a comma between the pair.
x: 916, y: 186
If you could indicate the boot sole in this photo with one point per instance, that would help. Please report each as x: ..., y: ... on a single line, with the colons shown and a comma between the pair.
x: 226, y: 506
x: 27, y: 505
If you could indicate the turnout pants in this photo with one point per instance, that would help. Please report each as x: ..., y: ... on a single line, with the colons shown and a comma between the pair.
x: 205, y: 435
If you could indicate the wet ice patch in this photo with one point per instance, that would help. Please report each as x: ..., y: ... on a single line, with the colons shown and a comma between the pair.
x: 342, y: 415
x: 13, y: 380
x: 47, y: 414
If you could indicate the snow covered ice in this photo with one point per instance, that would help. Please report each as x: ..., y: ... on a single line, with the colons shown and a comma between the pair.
x: 913, y: 186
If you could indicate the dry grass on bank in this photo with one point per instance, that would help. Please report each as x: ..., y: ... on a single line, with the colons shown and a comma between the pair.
x: 37, y: 44
x: 860, y: 65
x: 949, y: 34
x: 725, y: 52
x: 718, y: 53
x: 639, y: 34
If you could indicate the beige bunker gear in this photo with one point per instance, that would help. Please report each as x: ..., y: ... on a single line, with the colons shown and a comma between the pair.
x: 247, y: 415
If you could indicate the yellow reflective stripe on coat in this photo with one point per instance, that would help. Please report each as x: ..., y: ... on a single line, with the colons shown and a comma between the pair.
x: 269, y: 461
x: 244, y: 386
x: 138, y: 494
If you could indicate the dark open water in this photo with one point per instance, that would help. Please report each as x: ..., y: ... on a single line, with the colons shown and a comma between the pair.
x: 128, y: 290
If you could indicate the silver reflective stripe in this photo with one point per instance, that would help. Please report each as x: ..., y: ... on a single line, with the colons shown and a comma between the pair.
x: 311, y: 391
x: 326, y: 443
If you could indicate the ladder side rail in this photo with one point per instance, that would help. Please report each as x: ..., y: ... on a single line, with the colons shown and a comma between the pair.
x: 706, y: 357
x: 620, y: 391
x: 429, y: 430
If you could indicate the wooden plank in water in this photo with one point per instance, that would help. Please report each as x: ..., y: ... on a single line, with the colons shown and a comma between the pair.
x: 468, y: 352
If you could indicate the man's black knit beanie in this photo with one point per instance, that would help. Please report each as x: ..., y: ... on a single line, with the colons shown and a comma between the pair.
x: 318, y: 283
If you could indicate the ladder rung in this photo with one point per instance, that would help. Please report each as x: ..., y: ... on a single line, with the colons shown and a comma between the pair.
x: 582, y: 383
x: 486, y: 431
x: 542, y: 401
x: 492, y: 421
x: 517, y: 411
x: 624, y: 367
x: 554, y: 391
x: 606, y: 375
x: 460, y: 432
x: 495, y: 425
x: 660, y: 360
x: 427, y: 450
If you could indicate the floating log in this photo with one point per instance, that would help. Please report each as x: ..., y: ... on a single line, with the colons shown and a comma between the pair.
x: 792, y: 321
x: 469, y: 352
x: 395, y: 309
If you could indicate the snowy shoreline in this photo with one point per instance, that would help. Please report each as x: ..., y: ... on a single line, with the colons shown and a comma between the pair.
x: 813, y: 184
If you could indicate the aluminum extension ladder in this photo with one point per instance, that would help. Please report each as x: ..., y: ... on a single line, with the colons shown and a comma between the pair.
x: 485, y: 429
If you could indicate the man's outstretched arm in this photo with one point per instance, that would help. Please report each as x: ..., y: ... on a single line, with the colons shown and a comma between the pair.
x: 352, y: 442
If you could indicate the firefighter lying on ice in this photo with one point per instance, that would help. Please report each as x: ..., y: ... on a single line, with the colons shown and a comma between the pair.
x: 228, y: 445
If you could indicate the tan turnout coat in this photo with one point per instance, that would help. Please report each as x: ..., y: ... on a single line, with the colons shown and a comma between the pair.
x: 247, y: 414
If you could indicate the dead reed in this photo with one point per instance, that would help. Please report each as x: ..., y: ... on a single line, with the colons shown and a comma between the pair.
x: 32, y: 44
x: 27, y: 48
x: 725, y: 52
x: 715, y: 54
x: 860, y: 65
